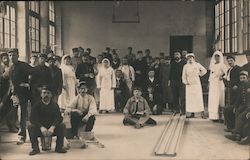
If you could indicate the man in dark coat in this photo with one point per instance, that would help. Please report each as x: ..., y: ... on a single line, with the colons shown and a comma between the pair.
x: 232, y: 84
x: 41, y: 75
x: 154, y: 100
x: 152, y: 81
x: 85, y: 72
x: 233, y: 79
x: 121, y: 91
x: 130, y: 56
x: 116, y: 61
x: 176, y: 84
x: 91, y: 58
x: 46, y: 120
x: 148, y: 59
x: 19, y: 76
x: 164, y: 79
x: 57, y: 81
x: 140, y: 67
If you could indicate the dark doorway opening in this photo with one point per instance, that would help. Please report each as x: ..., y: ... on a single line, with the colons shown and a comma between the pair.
x: 181, y: 43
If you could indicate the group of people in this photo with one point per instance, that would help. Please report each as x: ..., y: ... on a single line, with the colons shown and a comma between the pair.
x: 137, y: 85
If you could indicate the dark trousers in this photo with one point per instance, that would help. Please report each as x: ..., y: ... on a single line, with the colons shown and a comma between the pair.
x: 229, y: 117
x: 240, y: 122
x: 11, y: 119
x: 178, y: 91
x: 35, y: 132
x: 120, y: 101
x: 135, y: 119
x: 8, y: 112
x: 76, y: 122
x: 24, y: 114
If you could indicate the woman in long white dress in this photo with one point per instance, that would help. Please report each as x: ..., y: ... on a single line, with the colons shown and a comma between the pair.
x: 216, y: 94
x: 106, y: 82
x: 192, y: 71
x: 69, y: 82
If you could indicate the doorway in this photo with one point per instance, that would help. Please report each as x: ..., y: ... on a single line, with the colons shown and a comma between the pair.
x: 181, y: 43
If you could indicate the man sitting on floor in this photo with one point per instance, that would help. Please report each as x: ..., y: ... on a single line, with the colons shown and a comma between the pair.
x: 46, y: 120
x: 82, y: 110
x: 241, y: 108
x: 137, y: 111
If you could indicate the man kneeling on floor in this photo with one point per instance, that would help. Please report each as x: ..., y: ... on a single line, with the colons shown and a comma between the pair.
x: 82, y: 110
x: 46, y: 120
x: 137, y: 111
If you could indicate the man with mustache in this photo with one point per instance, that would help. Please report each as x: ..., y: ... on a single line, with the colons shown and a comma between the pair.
x: 46, y: 120
x: 176, y: 84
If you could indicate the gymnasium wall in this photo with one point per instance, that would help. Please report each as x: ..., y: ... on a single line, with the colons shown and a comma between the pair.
x: 89, y: 24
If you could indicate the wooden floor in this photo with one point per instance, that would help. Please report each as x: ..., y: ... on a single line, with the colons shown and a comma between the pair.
x: 202, y: 139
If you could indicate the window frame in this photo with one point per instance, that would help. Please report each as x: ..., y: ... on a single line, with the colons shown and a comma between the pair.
x: 37, y: 16
x: 52, y: 24
x: 227, y: 26
x: 10, y: 19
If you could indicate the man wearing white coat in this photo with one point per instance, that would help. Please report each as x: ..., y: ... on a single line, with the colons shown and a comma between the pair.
x: 192, y: 71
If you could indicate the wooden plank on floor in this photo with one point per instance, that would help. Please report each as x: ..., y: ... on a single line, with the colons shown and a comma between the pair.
x: 172, y: 147
x: 167, y: 135
x: 160, y: 140
x: 167, y: 144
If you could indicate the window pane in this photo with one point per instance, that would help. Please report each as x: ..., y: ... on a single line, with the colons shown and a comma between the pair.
x: 37, y: 34
x: 6, y: 41
x: 13, y: 14
x: 13, y: 42
x: 33, y: 45
x: 37, y: 46
x: 13, y: 28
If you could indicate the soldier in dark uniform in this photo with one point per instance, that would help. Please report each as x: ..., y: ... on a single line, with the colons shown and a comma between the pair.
x: 57, y: 81
x: 19, y: 76
x: 41, y: 75
x: 240, y: 108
